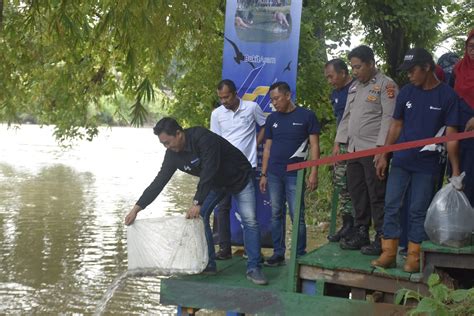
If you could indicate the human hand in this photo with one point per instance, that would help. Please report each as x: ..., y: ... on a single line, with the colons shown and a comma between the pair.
x: 381, y: 165
x: 263, y: 184
x: 312, y: 181
x: 193, y: 212
x: 130, y: 218
x: 470, y: 125
x: 456, y: 181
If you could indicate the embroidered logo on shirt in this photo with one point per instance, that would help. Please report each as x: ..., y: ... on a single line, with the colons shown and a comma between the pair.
x: 193, y: 162
x: 299, y: 124
x: 336, y: 100
x: 275, y: 125
x: 187, y: 168
x: 408, y: 104
x: 435, y: 108
x: 371, y: 98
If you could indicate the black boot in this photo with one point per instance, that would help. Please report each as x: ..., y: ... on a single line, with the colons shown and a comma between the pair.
x: 375, y: 248
x: 357, y: 240
x: 347, y: 223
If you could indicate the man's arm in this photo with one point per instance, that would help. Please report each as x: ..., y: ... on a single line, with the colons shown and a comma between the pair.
x: 265, y: 158
x: 312, y: 181
x: 388, y: 97
x: 260, y: 135
x: 453, y: 151
x: 392, y: 136
x: 168, y: 168
x: 214, y: 126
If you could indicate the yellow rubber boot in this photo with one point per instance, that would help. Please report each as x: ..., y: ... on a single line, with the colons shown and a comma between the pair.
x: 388, y: 258
x: 412, y: 264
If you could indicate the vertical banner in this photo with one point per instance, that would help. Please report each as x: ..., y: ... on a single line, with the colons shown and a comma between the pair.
x: 260, y: 47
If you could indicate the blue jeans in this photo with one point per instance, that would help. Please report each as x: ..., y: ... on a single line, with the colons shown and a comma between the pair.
x: 422, y: 190
x: 247, y: 211
x: 282, y: 189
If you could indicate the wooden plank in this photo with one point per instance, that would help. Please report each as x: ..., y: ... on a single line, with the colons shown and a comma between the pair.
x: 447, y: 260
x: 428, y: 246
x: 360, y: 280
x: 331, y: 256
x: 293, y: 264
x: 264, y: 301
x: 358, y: 293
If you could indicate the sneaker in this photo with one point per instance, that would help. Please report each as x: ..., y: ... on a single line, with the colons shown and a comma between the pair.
x: 257, y: 277
x: 275, y: 261
x: 210, y: 270
x: 223, y: 255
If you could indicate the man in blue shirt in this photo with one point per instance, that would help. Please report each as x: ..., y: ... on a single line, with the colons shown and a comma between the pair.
x: 423, y: 107
x: 288, y: 132
x: 337, y: 75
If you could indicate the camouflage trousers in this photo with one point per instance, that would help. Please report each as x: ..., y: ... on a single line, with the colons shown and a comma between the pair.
x: 340, y: 183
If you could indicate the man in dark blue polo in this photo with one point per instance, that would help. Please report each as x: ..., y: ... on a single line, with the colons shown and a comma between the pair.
x: 423, y: 109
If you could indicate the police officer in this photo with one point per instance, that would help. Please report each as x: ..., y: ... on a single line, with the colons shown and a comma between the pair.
x: 364, y: 125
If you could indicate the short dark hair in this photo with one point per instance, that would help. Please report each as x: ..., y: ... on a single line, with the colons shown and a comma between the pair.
x: 338, y: 64
x: 363, y: 52
x: 227, y: 82
x: 282, y: 87
x: 167, y: 125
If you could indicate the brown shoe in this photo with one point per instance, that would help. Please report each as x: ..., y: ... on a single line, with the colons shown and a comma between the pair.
x: 388, y: 258
x: 412, y: 264
x: 223, y: 255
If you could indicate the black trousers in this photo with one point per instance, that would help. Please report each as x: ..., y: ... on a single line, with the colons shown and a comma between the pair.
x: 367, y: 192
x: 223, y: 223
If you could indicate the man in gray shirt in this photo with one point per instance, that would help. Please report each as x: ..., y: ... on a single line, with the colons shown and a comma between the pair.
x: 364, y: 125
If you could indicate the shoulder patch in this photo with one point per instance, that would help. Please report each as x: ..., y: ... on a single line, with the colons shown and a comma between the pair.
x: 390, y: 88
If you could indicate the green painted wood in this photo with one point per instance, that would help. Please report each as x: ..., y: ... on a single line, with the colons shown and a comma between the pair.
x: 331, y: 256
x: 293, y: 265
x: 334, y: 205
x: 264, y: 300
x: 428, y: 246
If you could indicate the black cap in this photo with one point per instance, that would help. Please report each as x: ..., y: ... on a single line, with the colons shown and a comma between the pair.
x: 416, y: 56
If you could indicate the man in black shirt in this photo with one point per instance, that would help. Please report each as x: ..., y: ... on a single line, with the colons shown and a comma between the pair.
x: 222, y: 169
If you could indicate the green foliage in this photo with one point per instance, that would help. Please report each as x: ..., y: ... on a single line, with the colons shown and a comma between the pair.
x: 460, y: 23
x: 60, y: 57
x: 441, y: 301
x: 392, y: 27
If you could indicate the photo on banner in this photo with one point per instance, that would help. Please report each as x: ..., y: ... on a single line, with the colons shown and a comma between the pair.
x: 261, y: 43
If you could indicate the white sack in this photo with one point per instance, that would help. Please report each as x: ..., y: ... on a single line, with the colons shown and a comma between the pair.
x: 168, y: 245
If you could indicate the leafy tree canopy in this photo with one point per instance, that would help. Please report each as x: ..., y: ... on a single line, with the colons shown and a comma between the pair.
x: 63, y: 61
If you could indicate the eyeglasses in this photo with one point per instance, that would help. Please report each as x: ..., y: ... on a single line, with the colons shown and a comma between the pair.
x: 470, y: 47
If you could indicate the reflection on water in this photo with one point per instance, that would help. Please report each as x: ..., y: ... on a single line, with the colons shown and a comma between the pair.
x: 62, y: 236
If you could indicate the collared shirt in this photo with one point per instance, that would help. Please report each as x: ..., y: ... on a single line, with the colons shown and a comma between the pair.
x: 368, y: 113
x: 239, y: 127
x: 218, y: 164
x: 338, y: 99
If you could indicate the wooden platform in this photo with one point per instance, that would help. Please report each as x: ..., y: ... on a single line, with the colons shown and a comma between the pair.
x: 229, y: 290
x: 349, y: 268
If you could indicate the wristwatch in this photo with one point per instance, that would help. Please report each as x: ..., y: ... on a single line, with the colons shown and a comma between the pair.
x: 263, y: 175
x: 195, y: 202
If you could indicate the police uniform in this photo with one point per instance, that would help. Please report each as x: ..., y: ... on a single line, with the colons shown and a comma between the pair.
x: 365, y: 125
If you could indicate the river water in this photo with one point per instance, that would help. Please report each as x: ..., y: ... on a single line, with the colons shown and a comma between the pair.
x: 63, y: 242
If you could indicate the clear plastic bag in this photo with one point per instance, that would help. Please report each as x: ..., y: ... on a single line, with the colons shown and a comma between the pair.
x: 450, y: 218
x: 167, y: 245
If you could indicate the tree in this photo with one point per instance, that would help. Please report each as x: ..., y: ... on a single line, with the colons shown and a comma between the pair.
x: 59, y: 57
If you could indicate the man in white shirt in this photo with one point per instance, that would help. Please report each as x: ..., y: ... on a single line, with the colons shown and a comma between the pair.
x: 235, y: 120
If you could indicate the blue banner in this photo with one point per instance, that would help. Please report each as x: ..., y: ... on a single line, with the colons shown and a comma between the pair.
x: 260, y: 47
